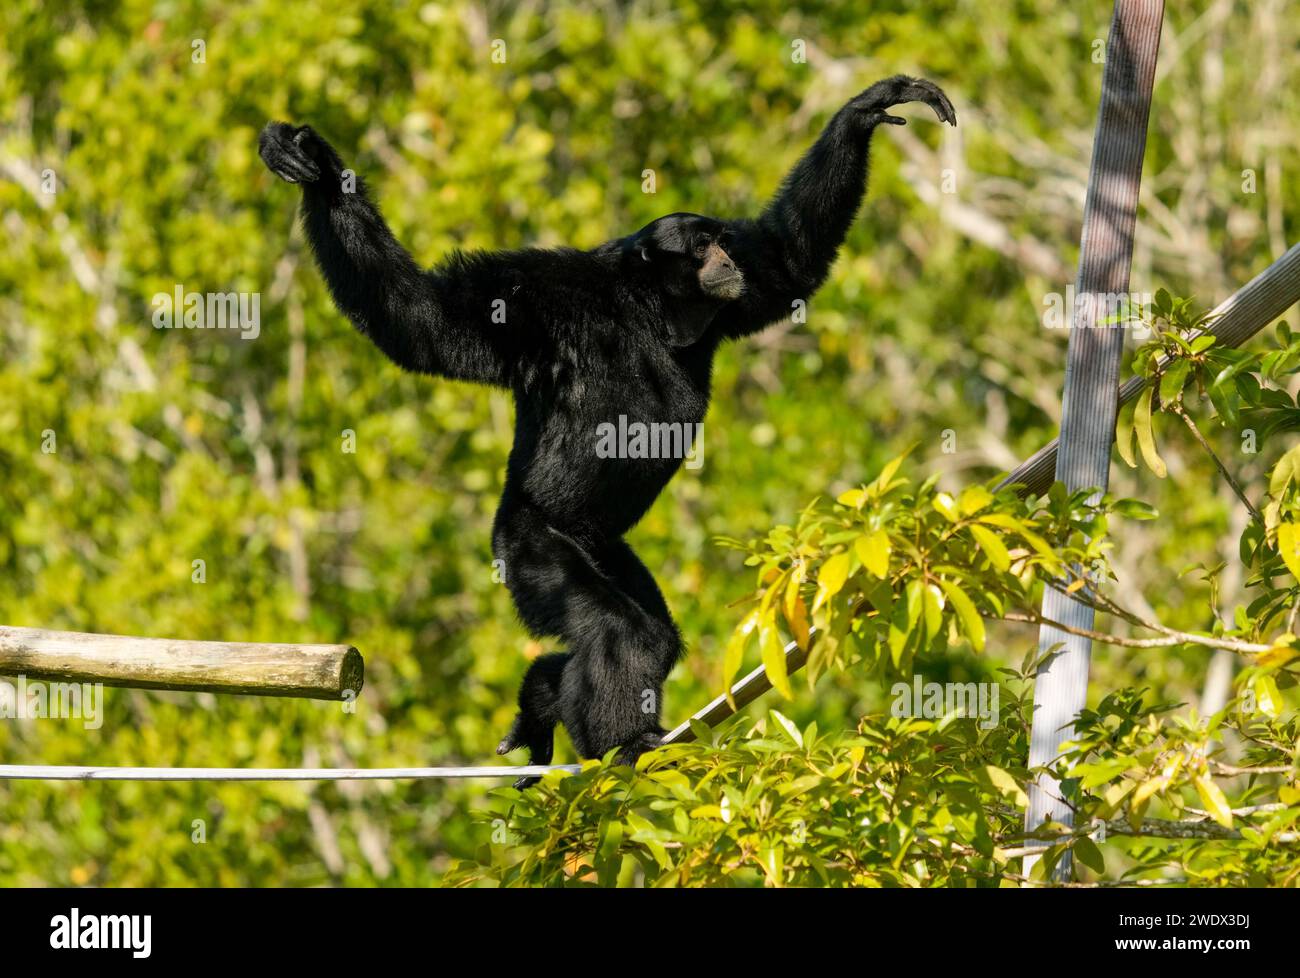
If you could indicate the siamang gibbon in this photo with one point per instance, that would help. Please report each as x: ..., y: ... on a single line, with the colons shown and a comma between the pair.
x: 582, y: 338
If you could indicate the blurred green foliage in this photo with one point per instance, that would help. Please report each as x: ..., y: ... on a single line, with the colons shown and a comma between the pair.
x: 174, y: 446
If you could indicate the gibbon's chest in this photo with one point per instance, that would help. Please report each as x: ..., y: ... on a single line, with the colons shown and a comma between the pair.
x: 613, y: 382
x: 654, y: 384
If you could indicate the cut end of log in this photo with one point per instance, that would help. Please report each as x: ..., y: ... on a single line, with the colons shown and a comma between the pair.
x: 352, y: 674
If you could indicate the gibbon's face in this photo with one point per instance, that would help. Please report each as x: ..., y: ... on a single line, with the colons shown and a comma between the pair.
x: 690, y: 254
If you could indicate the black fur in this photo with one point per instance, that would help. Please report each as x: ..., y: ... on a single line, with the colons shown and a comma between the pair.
x: 628, y: 328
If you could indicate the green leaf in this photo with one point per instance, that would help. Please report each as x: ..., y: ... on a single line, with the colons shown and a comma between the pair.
x: 1288, y: 547
x: 887, y: 473
x: 900, y: 626
x: 874, y: 550
x: 1086, y: 851
x: 854, y: 498
x: 1215, y: 802
x: 1134, y: 509
x: 833, y: 574
x: 993, y: 547
x: 797, y: 617
x: 1146, y: 441
x: 1124, y: 438
x: 702, y: 731
x: 735, y: 652
x: 627, y: 871
x: 1267, y: 695
x: 788, y: 726
x: 973, y: 499
x: 1230, y: 371
x: 1044, y: 549
x: 1148, y: 788
x: 1226, y: 405
x: 932, y: 609
x: 611, y: 836
x: 946, y: 506
x: 1006, y: 784
x: 1283, y: 473
x: 1173, y: 380
x: 971, y: 622
x: 769, y: 643
x: 1003, y: 520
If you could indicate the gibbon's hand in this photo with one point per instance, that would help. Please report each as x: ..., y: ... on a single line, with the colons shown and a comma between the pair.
x: 295, y: 154
x: 870, y: 105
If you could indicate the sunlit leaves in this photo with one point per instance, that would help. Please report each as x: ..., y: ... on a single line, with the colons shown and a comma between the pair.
x: 894, y: 570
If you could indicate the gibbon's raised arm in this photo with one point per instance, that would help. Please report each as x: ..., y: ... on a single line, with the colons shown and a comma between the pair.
x: 786, y: 253
x: 429, y: 321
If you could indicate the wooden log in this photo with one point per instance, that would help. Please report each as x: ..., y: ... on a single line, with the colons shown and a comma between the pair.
x: 324, y: 672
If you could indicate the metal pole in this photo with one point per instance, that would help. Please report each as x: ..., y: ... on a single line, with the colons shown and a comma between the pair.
x: 1089, y: 403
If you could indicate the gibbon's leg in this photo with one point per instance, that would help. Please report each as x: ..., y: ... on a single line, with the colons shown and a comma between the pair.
x: 539, y: 712
x: 612, y: 690
x: 621, y: 640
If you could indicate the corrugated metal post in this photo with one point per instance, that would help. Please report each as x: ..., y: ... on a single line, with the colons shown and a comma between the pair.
x: 1089, y: 403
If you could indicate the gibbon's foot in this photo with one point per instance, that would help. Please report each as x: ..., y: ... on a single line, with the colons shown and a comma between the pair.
x: 288, y: 152
x: 897, y: 91
x: 540, y: 744
x: 641, y: 744
x: 508, y: 741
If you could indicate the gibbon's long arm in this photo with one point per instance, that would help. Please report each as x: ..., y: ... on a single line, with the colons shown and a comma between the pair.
x: 430, y: 321
x: 787, y: 252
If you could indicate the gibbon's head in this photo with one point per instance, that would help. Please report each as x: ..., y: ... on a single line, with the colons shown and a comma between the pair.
x: 688, y: 255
